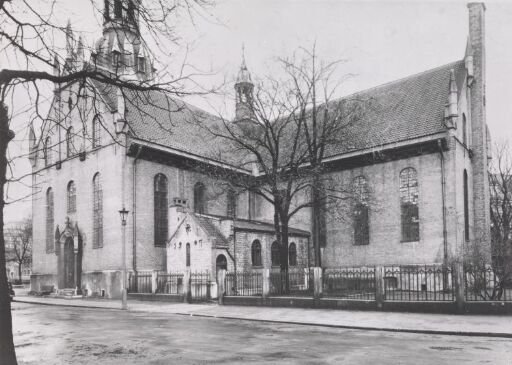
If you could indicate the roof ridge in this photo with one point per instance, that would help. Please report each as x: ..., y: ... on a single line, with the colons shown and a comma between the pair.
x: 400, y: 79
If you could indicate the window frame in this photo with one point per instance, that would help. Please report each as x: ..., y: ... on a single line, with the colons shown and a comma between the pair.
x: 50, y: 221
x: 96, y: 132
x: 409, y: 193
x: 97, y: 209
x: 256, y: 257
x: 187, y: 254
x: 160, y: 209
x: 292, y: 254
x: 199, y: 198
x: 361, y: 212
x: 71, y: 197
x: 275, y: 254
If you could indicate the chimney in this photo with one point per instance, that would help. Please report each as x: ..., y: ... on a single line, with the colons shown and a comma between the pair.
x: 481, y: 199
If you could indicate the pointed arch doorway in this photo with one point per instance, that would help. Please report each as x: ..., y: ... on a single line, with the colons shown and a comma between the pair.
x: 69, y: 263
x: 68, y: 248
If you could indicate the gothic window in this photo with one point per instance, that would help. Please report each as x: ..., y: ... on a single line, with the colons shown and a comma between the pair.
x: 199, y: 198
x: 409, y: 205
x: 96, y: 132
x: 466, y: 207
x: 361, y: 212
x: 231, y: 203
x: 275, y: 254
x: 106, y: 7
x: 464, y: 130
x: 292, y: 254
x: 47, y: 151
x: 256, y: 253
x: 69, y: 142
x: 49, y: 220
x: 161, y: 213
x: 115, y: 58
x: 188, y: 255
x: 97, y: 212
x: 71, y: 197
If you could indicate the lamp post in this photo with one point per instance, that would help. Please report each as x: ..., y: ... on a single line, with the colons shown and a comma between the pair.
x: 124, y: 214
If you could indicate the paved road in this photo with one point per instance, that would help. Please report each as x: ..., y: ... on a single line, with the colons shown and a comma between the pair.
x: 65, y: 335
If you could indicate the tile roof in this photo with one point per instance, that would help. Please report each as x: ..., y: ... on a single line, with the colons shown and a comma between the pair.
x: 211, y: 230
x: 401, y: 110
x: 245, y: 225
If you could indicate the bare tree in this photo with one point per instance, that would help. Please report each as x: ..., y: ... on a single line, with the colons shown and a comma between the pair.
x: 279, y: 143
x: 491, y: 272
x: 21, y: 238
x: 30, y: 36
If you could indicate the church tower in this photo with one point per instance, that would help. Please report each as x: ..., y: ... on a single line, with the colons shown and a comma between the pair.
x: 244, y: 93
x: 120, y: 49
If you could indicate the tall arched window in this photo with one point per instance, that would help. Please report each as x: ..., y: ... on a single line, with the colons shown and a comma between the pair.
x: 199, y: 198
x: 256, y: 253
x: 275, y: 254
x: 464, y: 129
x: 466, y: 206
x: 97, y: 212
x: 409, y: 194
x: 70, y: 149
x: 71, y: 197
x: 47, y: 151
x: 49, y: 220
x: 96, y: 132
x: 231, y: 203
x: 361, y: 212
x: 161, y: 213
x: 188, y: 255
x: 292, y: 254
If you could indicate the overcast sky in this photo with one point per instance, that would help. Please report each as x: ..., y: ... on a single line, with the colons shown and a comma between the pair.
x: 382, y: 41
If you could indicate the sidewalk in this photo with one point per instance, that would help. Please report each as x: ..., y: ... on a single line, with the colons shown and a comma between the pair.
x: 466, y: 325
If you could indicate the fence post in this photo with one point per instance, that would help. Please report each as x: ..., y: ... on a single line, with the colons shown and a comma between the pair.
x: 318, y: 281
x: 265, y: 277
x: 154, y: 281
x: 380, y: 292
x: 459, y: 281
x: 221, y: 285
x: 187, y: 291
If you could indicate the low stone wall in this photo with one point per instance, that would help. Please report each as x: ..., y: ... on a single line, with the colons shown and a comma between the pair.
x: 156, y: 297
x: 37, y: 281
x: 105, y: 284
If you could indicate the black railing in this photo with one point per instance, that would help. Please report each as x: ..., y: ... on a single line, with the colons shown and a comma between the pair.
x: 169, y: 283
x: 247, y: 283
x: 418, y: 283
x: 487, y: 283
x: 200, y: 287
x: 140, y: 283
x: 294, y: 282
x: 350, y: 283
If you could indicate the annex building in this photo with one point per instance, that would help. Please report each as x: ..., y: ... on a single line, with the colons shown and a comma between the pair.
x: 423, y: 155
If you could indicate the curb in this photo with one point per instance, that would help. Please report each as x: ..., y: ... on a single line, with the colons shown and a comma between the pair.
x: 367, y: 328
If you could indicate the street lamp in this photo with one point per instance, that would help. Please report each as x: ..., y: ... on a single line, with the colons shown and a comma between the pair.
x: 123, y: 213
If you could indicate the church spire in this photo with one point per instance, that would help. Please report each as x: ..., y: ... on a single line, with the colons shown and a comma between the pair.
x: 244, y: 91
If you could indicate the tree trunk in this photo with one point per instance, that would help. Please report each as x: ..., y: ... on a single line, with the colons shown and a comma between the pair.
x: 7, y: 352
x: 19, y: 273
x: 284, y: 256
x: 317, y: 213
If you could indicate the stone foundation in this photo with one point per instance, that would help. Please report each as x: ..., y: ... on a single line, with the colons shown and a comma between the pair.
x: 105, y: 284
x: 37, y: 281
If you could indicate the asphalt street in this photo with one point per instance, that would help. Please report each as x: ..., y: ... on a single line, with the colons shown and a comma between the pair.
x: 66, y: 335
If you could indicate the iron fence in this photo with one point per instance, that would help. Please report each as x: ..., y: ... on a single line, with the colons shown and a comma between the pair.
x: 169, y: 283
x: 140, y: 283
x: 200, y: 287
x: 294, y: 282
x: 349, y: 282
x: 487, y: 283
x: 246, y: 283
x: 418, y: 283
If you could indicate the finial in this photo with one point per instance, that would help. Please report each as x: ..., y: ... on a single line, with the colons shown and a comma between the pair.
x: 243, y: 66
x: 69, y: 39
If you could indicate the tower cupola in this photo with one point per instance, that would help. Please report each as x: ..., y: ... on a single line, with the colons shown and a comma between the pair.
x: 244, y: 92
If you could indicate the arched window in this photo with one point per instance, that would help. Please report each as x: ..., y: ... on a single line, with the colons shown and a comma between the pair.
x: 275, y: 254
x: 409, y: 195
x: 96, y: 132
x: 118, y: 9
x: 70, y: 149
x: 71, y: 197
x: 49, y: 220
x: 199, y: 198
x: 231, y: 203
x: 292, y: 254
x: 188, y: 255
x: 97, y: 212
x: 361, y: 212
x: 256, y: 253
x: 161, y: 212
x: 47, y: 151
x: 466, y: 206
x: 464, y: 129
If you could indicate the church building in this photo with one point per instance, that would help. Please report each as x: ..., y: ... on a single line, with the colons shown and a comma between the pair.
x: 423, y: 155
